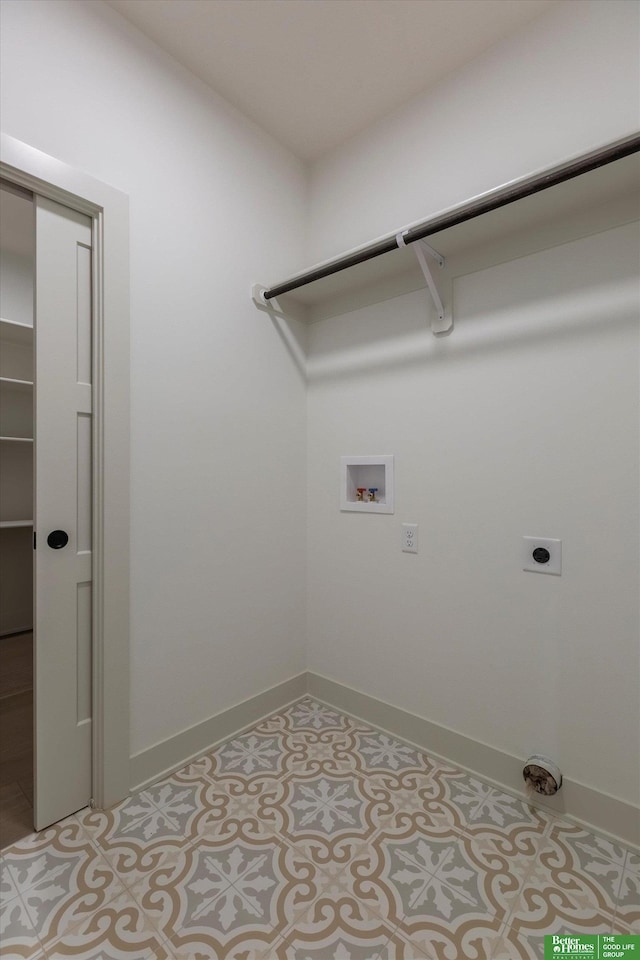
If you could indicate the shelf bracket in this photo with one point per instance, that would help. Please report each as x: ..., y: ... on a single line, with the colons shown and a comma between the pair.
x: 443, y: 321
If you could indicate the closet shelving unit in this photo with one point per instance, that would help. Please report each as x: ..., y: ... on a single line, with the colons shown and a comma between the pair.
x: 590, y: 193
x: 16, y: 452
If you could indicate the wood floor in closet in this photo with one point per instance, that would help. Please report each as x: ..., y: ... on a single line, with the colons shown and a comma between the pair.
x: 16, y: 740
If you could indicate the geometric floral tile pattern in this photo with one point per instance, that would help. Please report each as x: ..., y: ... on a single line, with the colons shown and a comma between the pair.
x: 628, y: 903
x: 16, y: 930
x: 135, y: 835
x: 313, y: 836
x: 254, y: 755
x: 60, y: 879
x: 381, y: 752
x: 328, y: 816
x: 227, y: 893
x: 308, y: 714
x: 118, y: 930
x: 337, y: 926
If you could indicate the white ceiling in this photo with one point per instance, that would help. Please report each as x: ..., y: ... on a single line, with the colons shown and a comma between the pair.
x: 314, y: 72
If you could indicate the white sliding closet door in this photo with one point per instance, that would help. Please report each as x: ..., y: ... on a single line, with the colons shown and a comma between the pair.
x: 63, y: 498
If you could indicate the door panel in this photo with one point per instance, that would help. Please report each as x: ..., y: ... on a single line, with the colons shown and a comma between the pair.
x: 63, y: 498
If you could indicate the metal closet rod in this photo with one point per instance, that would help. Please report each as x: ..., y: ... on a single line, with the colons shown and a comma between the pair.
x: 485, y: 203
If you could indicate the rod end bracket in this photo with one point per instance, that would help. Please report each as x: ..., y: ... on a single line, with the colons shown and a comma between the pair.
x: 257, y: 295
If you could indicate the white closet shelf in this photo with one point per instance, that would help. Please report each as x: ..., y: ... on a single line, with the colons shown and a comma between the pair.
x: 17, y: 439
x: 15, y: 331
x: 14, y: 524
x: 16, y: 384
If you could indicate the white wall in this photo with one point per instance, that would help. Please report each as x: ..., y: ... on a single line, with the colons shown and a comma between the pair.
x: 457, y: 634
x: 562, y: 85
x: 218, y: 408
x: 523, y: 422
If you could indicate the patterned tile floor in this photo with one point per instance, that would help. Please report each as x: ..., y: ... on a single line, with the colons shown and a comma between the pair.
x: 316, y: 837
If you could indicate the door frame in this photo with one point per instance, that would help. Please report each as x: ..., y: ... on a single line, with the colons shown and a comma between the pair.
x: 108, y: 208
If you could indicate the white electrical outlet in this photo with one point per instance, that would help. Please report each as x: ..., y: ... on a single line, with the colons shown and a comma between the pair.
x: 409, y: 537
x: 540, y: 555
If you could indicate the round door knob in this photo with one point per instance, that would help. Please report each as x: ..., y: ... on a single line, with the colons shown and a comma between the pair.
x: 58, y: 539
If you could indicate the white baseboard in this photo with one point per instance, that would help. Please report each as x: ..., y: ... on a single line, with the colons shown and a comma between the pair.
x: 169, y: 755
x: 575, y: 801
